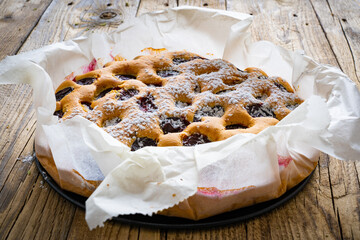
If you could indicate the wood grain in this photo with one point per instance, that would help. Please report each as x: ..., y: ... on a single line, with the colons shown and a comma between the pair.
x: 17, y: 19
x: 327, y: 208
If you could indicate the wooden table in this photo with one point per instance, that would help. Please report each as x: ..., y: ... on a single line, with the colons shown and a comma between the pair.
x: 328, y: 207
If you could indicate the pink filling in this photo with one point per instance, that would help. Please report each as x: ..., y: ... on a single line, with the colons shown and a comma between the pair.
x: 284, y: 161
x: 215, y: 192
x: 90, y: 67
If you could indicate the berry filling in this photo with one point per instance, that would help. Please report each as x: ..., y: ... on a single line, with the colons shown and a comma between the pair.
x: 86, y: 81
x: 281, y: 87
x: 223, y: 92
x: 292, y: 106
x: 259, y: 110
x: 180, y: 60
x: 147, y: 104
x: 262, y: 97
x: 197, y: 89
x: 142, y: 142
x: 235, y: 126
x: 59, y: 113
x: 240, y: 70
x: 103, y: 93
x: 216, y: 111
x: 173, y: 124
x: 62, y: 93
x: 195, y: 139
x: 125, y: 77
x: 167, y: 73
x: 126, y: 94
x: 87, y: 105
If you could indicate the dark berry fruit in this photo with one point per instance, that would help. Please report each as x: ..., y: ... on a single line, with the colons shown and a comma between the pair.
x: 86, y: 81
x: 194, y: 139
x: 216, y: 111
x: 197, y: 89
x: 87, y: 105
x: 282, y: 88
x: 262, y: 97
x: 126, y: 94
x: 292, y: 106
x: 259, y: 110
x: 103, y: 93
x: 147, y: 104
x: 142, y: 142
x: 263, y: 77
x: 167, y: 73
x: 235, y: 126
x: 62, y: 93
x: 223, y: 92
x: 59, y: 113
x: 180, y: 60
x: 240, y: 70
x: 125, y: 77
x: 173, y: 124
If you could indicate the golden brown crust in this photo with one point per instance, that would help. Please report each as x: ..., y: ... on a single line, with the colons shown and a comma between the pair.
x: 132, y: 99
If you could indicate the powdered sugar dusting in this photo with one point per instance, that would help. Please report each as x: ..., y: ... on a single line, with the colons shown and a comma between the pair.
x: 165, y: 94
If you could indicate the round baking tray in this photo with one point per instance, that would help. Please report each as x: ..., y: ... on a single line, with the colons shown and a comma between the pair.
x: 159, y: 221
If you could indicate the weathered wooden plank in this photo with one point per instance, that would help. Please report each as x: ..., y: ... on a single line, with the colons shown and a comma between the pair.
x: 155, y: 5
x: 52, y: 27
x: 205, y: 4
x: 340, y: 21
x: 16, y: 189
x: 111, y: 229
x: 346, y: 194
x: 17, y: 19
x: 15, y: 127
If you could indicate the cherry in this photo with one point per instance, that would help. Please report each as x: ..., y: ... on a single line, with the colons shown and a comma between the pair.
x: 259, y: 110
x: 235, y: 126
x: 87, y: 104
x: 292, y: 106
x: 282, y: 88
x: 59, y: 113
x: 194, y: 139
x: 197, y: 89
x: 126, y: 94
x: 86, y: 81
x: 147, y: 104
x: 125, y: 77
x: 62, y: 93
x: 223, y: 92
x: 179, y: 60
x: 103, y: 93
x: 173, y: 124
x: 142, y: 142
x: 167, y: 73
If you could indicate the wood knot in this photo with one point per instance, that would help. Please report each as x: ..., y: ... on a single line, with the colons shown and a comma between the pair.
x: 108, y: 15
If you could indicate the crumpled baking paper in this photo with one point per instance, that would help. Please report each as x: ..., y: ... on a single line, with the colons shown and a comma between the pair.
x: 152, y: 179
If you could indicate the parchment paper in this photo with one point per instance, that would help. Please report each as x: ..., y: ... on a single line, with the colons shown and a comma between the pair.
x: 152, y: 179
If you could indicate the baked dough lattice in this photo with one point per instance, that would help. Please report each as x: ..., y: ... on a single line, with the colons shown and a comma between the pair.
x: 175, y: 99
